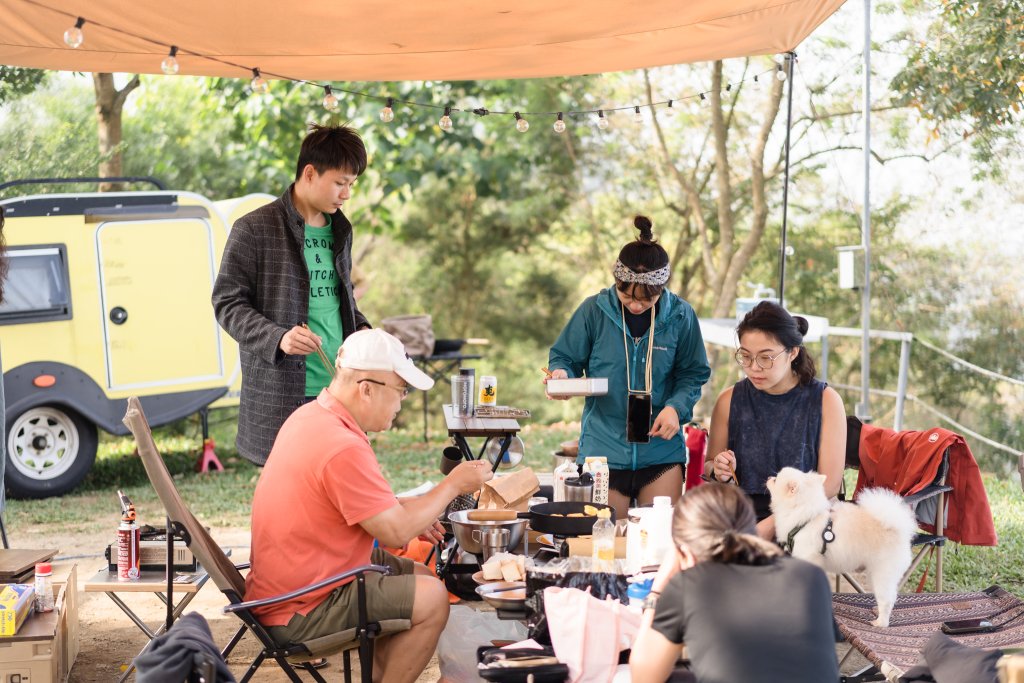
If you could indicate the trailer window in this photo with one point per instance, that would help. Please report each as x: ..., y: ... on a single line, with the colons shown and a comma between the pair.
x: 37, y: 287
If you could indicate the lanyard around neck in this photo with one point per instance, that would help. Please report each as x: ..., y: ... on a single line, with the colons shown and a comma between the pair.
x: 650, y: 350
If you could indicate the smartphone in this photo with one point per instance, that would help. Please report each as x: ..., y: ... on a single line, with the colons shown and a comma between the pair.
x: 638, y: 418
x: 980, y: 625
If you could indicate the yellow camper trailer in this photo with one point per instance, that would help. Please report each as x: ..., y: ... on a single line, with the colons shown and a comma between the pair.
x: 108, y: 295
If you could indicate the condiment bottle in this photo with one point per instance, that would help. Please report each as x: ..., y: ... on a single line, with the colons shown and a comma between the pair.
x: 603, y: 541
x: 656, y: 527
x: 44, y: 587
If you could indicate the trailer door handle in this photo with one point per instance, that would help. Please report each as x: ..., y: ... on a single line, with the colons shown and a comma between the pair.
x: 118, y: 315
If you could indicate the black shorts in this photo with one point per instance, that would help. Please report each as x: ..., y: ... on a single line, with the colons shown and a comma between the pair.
x: 630, y: 482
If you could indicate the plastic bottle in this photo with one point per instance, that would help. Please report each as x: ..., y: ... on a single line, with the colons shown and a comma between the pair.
x: 562, y: 472
x: 603, y: 541
x: 634, y: 540
x: 599, y: 468
x: 657, y: 529
x: 44, y: 587
x: 637, y: 593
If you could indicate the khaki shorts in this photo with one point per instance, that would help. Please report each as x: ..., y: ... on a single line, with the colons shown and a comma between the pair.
x: 387, y: 597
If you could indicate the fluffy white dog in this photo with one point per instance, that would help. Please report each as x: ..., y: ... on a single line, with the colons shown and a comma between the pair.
x: 874, y: 534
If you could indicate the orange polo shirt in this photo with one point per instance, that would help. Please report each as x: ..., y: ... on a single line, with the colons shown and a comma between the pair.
x: 321, y: 480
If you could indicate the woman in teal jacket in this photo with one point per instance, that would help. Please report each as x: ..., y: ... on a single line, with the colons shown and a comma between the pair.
x: 609, y: 336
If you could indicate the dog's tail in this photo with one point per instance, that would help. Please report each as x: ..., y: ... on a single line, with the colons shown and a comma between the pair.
x: 889, y: 509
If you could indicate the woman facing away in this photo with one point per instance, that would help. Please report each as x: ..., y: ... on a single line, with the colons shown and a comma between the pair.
x: 778, y: 416
x: 646, y: 341
x: 746, y: 611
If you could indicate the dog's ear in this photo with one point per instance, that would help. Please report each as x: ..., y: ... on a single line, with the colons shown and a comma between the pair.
x: 792, y: 486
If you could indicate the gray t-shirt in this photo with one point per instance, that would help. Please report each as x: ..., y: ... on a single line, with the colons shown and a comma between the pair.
x: 767, y: 623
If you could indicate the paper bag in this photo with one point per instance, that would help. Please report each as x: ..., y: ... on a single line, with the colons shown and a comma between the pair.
x: 510, y: 491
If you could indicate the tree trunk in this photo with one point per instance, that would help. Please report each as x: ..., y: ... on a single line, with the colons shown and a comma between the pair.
x: 109, y: 105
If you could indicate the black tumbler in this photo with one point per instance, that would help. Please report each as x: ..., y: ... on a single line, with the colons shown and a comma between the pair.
x: 450, y: 457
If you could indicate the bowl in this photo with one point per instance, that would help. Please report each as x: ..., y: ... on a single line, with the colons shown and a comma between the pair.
x: 570, y: 448
x: 504, y: 594
x: 463, y: 529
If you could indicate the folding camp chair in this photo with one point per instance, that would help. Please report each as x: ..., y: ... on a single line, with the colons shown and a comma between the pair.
x: 228, y: 578
x: 929, y: 505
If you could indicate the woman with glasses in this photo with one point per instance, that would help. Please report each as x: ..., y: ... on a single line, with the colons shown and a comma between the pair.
x: 646, y: 341
x: 778, y: 416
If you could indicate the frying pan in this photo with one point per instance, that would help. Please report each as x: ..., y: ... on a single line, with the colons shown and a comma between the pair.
x: 544, y: 518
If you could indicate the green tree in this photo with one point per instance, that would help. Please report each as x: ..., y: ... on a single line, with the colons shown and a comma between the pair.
x: 17, y: 82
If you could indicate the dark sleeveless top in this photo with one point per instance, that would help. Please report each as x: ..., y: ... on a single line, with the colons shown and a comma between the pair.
x: 768, y: 432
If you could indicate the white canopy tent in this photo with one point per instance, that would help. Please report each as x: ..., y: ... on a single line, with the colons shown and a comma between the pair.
x: 387, y: 40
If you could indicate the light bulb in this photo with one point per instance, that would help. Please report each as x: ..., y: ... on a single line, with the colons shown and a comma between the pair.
x: 74, y: 37
x: 780, y: 74
x: 637, y: 116
x: 446, y: 121
x: 669, y: 109
x: 170, y: 64
x: 522, y: 125
x: 330, y: 101
x: 559, y: 124
x: 790, y: 250
x: 258, y: 84
x: 602, y: 122
x: 387, y: 114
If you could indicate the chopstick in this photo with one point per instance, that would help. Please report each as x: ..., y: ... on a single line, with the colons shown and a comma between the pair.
x: 323, y: 357
x: 546, y: 372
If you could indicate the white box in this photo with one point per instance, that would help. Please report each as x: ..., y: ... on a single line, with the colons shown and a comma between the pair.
x: 583, y: 386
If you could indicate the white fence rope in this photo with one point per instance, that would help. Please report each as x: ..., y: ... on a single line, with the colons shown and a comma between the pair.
x: 970, y: 366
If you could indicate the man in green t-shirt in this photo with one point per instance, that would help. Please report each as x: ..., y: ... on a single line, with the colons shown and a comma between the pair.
x: 284, y: 287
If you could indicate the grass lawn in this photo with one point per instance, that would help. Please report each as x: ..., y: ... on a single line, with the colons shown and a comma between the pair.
x: 223, y: 499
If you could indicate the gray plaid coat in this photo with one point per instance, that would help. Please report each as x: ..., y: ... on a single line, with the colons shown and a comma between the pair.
x: 261, y: 292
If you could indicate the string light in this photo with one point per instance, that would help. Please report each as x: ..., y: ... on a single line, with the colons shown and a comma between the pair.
x: 258, y: 84
x: 170, y: 64
x: 387, y: 114
x: 331, y: 103
x: 74, y: 37
x: 559, y: 124
x: 446, y: 121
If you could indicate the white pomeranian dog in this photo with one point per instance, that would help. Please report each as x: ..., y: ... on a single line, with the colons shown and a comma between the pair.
x: 873, y: 535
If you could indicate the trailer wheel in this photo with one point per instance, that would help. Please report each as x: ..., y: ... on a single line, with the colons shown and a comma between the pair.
x: 50, y: 449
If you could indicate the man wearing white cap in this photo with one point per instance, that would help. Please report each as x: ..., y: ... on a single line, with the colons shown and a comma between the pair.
x: 322, y: 500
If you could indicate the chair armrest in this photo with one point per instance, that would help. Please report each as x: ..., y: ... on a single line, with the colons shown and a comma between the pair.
x: 243, y: 565
x: 242, y: 606
x: 925, y: 493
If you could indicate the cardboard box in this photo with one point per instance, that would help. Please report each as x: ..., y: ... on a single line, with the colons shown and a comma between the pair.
x: 45, y: 648
x: 583, y: 386
x: 16, y: 603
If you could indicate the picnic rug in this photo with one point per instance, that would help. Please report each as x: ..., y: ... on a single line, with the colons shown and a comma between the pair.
x: 918, y: 616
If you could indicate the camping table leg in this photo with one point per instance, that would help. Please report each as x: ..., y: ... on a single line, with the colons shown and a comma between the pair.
x: 178, y: 609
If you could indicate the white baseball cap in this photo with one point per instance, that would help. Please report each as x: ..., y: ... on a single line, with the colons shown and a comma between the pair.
x: 377, y: 350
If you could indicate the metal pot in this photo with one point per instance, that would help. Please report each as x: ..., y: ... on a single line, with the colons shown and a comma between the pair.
x: 559, y: 457
x: 463, y: 529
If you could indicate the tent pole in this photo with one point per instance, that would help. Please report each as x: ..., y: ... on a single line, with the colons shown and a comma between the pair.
x: 864, y: 407
x: 790, y: 60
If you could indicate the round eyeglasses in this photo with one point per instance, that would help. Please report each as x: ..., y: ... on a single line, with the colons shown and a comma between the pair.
x: 765, y: 361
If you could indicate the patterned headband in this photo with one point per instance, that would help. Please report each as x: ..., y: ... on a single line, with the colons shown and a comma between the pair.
x: 657, y: 277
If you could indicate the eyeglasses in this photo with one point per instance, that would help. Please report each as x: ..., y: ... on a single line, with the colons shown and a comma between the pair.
x: 404, y: 391
x: 764, y: 361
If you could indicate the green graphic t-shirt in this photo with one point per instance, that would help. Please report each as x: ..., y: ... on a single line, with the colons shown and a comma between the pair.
x: 324, y: 303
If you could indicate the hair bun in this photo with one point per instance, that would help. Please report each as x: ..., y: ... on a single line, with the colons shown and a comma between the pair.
x: 801, y: 324
x: 644, y: 225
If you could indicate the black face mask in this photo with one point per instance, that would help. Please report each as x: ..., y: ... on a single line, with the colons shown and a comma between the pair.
x: 638, y: 418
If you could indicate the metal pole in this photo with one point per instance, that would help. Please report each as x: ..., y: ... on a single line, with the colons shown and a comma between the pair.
x: 901, y: 386
x: 864, y: 407
x: 790, y: 60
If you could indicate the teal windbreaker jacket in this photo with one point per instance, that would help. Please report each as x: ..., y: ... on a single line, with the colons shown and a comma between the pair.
x: 591, y: 344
